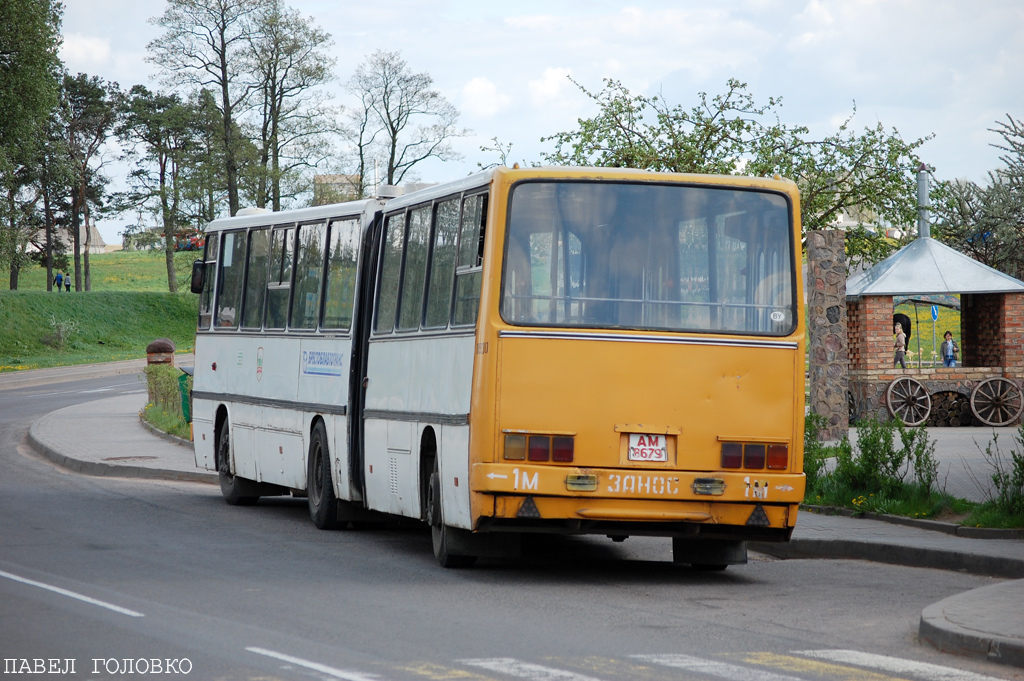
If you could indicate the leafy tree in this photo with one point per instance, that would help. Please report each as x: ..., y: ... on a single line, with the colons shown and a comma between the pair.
x: 205, y: 44
x: 89, y: 108
x: 987, y: 221
x: 870, y: 171
x: 400, y: 118
x: 160, y: 130
x: 288, y: 55
x: 29, y: 84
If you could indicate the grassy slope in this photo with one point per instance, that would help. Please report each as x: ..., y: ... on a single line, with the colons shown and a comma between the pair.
x: 128, y: 307
x: 120, y: 271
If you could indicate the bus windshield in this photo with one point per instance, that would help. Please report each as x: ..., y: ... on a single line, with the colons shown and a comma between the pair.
x: 650, y: 257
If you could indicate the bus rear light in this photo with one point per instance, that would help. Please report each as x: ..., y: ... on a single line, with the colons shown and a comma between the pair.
x: 562, y: 449
x: 581, y: 483
x: 540, y: 448
x: 753, y: 456
x: 709, y: 486
x: 732, y: 455
x: 515, y: 447
x: 778, y: 457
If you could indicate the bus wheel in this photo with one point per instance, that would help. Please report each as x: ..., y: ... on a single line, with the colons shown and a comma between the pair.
x: 234, y: 489
x: 440, y: 533
x: 323, y: 505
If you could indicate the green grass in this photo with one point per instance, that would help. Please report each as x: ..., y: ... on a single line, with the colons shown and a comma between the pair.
x: 100, y: 326
x: 119, y: 271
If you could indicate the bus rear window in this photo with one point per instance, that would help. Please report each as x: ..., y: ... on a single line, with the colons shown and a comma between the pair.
x: 648, y: 256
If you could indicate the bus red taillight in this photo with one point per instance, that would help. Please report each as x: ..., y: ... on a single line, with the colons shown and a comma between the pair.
x: 540, y: 448
x: 562, y: 449
x: 753, y: 456
x: 778, y: 457
x: 732, y: 455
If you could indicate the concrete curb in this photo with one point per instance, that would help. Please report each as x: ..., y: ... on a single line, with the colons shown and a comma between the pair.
x: 933, y: 525
x: 110, y: 470
x: 164, y: 435
x: 947, y: 637
x: 893, y: 554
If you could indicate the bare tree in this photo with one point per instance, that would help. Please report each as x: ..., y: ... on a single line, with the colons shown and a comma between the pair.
x: 205, y: 44
x: 287, y: 54
x: 402, y: 118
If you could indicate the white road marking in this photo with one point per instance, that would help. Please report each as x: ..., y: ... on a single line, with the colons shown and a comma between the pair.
x: 315, y: 666
x: 71, y: 594
x: 714, y: 668
x: 526, y: 670
x: 895, y: 665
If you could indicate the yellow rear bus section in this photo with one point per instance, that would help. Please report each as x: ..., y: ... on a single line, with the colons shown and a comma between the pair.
x: 707, y: 398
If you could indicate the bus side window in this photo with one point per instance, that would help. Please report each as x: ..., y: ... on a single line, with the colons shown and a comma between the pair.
x: 442, y: 265
x: 414, y: 271
x: 206, y: 299
x: 308, y: 276
x: 256, y: 282
x: 280, y: 283
x: 342, y: 257
x: 468, y: 276
x: 390, y: 273
x: 230, y: 280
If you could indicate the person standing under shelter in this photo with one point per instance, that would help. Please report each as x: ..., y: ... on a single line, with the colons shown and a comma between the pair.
x: 949, y: 350
x: 900, y: 346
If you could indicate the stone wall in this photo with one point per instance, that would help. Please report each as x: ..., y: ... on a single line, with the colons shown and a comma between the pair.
x: 827, y: 336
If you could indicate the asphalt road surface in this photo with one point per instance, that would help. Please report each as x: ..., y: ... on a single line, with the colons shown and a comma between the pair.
x: 107, y: 577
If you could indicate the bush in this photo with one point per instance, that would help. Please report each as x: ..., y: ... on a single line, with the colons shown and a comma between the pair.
x: 162, y: 382
x: 61, y: 331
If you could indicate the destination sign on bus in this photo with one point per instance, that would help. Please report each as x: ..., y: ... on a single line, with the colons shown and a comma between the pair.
x: 643, y: 447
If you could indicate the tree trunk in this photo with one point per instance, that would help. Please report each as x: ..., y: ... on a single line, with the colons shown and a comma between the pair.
x: 88, y: 242
x: 76, y: 239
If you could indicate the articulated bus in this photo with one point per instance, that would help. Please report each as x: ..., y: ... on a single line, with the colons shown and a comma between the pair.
x: 556, y: 350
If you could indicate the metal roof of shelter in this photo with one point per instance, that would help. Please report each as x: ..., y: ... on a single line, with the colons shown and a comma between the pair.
x: 926, y: 266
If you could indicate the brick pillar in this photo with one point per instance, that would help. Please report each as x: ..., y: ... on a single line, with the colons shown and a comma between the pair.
x: 827, y: 337
x: 1013, y: 334
x: 876, y: 327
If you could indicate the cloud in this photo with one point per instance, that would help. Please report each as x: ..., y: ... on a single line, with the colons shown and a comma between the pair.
x: 481, y: 97
x: 549, y: 88
x: 82, y: 52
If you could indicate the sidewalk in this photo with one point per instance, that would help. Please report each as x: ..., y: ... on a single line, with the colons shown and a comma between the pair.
x: 107, y: 438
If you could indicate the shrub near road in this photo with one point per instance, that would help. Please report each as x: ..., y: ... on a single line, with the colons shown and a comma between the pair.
x: 40, y: 329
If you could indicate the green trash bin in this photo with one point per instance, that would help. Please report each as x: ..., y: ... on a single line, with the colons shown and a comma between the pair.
x: 186, y: 410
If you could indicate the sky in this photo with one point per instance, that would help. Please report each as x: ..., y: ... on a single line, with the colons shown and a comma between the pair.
x: 946, y: 68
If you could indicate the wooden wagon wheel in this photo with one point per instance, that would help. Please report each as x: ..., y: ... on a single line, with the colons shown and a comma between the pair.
x: 907, y: 399
x: 996, y: 401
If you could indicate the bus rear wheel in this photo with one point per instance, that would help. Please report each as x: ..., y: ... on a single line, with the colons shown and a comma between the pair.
x: 440, y: 533
x: 236, y: 491
x: 323, y: 505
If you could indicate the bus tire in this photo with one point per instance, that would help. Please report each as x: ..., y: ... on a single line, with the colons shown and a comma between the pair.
x: 236, y: 491
x: 440, y: 533
x: 323, y: 505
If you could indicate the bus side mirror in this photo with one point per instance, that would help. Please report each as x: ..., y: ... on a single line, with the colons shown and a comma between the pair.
x: 198, y: 276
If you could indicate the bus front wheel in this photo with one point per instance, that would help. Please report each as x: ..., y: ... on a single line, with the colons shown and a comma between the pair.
x: 323, y: 505
x: 440, y: 533
x: 236, y: 491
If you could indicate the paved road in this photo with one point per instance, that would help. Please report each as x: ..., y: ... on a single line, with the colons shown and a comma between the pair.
x: 100, y: 570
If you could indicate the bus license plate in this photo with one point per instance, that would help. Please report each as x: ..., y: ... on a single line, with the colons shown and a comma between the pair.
x: 644, y: 447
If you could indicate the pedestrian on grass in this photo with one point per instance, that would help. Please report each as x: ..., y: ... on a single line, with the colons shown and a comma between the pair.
x: 67, y: 283
x: 58, y: 279
x: 949, y: 350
